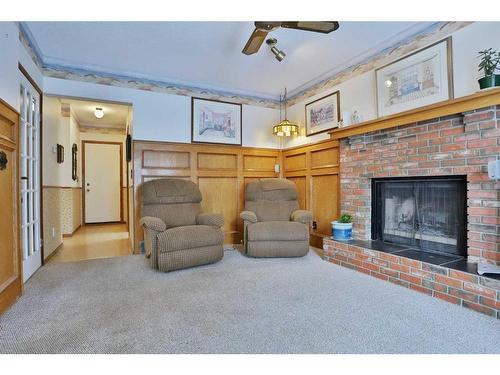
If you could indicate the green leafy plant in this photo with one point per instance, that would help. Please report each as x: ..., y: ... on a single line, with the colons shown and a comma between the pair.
x: 490, y: 60
x: 345, y: 219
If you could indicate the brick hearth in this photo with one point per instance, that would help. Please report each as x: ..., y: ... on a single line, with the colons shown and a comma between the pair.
x: 463, y: 288
x: 461, y: 144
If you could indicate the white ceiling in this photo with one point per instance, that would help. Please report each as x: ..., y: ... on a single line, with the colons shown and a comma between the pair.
x: 115, y: 115
x: 208, y: 54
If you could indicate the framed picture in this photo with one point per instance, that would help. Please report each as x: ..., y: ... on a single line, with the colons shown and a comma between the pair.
x: 416, y: 80
x: 323, y: 114
x: 214, y: 121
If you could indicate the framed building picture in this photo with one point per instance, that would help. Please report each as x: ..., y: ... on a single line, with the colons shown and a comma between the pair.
x: 416, y: 80
x: 323, y: 114
x: 214, y: 121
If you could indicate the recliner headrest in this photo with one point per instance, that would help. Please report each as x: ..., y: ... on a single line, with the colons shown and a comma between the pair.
x: 170, y: 190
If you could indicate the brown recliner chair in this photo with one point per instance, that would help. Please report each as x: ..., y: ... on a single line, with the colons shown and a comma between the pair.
x: 176, y: 234
x: 273, y: 224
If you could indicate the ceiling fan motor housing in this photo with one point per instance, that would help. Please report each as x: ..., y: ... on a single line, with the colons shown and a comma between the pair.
x: 267, y: 25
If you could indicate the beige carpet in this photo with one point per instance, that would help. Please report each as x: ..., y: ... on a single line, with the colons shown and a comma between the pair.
x: 239, y: 305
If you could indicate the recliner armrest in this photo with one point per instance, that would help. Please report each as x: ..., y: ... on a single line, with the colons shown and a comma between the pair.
x: 215, y: 220
x: 153, y: 223
x: 302, y: 216
x: 248, y: 216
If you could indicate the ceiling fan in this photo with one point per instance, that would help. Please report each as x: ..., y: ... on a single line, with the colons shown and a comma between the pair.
x: 263, y: 27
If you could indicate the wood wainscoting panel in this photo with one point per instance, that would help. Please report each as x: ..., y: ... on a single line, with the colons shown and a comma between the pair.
x: 220, y: 171
x: 217, y: 161
x: 165, y: 159
x: 300, y: 182
x: 259, y: 163
x: 328, y: 157
x: 318, y: 182
x: 221, y: 195
x: 324, y: 189
x: 295, y: 162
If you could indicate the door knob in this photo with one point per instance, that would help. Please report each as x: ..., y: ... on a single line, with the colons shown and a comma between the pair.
x: 88, y: 189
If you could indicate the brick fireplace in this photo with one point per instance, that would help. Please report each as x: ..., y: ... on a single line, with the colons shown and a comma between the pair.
x: 456, y: 145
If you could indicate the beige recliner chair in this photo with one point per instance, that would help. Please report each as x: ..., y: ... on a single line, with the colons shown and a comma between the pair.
x: 273, y: 224
x: 176, y: 234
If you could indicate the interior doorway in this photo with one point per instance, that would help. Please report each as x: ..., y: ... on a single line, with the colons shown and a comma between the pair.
x: 89, y: 205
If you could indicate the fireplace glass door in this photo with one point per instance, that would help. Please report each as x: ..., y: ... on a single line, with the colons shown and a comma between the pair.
x: 427, y: 214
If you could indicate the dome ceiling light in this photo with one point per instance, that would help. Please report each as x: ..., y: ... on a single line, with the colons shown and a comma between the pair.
x: 99, y: 113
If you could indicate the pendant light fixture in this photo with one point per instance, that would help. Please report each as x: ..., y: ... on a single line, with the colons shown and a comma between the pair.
x: 285, y: 128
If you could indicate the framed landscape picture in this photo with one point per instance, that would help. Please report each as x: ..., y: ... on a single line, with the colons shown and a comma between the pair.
x: 419, y: 79
x: 323, y: 114
x: 214, y: 121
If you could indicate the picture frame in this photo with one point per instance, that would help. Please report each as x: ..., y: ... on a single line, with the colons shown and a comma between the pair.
x: 74, y: 162
x: 323, y: 114
x: 216, y: 122
x: 421, y: 78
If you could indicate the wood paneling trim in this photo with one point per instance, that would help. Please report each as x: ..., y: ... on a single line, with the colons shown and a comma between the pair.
x: 448, y: 107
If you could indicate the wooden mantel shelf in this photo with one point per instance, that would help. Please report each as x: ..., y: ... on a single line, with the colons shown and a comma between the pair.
x: 448, y: 107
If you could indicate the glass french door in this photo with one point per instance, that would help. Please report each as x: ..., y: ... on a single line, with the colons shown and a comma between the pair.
x: 31, y: 242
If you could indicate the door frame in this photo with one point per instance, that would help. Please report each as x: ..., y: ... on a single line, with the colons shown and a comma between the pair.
x: 84, y: 218
x: 37, y: 88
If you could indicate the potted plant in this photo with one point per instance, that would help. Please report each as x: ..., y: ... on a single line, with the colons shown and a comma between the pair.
x: 342, y: 228
x: 489, y: 63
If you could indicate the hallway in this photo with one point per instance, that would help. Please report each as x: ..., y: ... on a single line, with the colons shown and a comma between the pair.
x: 94, y: 242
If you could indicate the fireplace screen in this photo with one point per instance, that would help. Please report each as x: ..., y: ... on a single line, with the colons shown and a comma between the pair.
x: 428, y: 214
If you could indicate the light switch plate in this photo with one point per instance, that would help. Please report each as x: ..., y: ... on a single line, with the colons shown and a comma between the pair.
x: 494, y: 169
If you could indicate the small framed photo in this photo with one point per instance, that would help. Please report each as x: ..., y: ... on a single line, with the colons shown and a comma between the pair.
x: 214, y: 121
x: 323, y: 114
x: 416, y: 80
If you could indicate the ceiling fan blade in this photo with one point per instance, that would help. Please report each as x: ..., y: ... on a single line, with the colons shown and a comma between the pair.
x: 324, y: 27
x: 254, y: 42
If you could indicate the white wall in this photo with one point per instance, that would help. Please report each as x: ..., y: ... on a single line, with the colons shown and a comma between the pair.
x: 9, y: 51
x: 52, y: 133
x: 166, y: 117
x: 13, y: 52
x: 359, y: 92
x: 467, y: 42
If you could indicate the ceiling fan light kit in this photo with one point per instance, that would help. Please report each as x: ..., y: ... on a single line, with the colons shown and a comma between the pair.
x: 262, y: 28
x: 280, y: 55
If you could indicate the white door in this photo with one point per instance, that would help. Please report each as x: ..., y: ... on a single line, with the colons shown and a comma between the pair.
x: 30, y: 179
x: 102, y: 182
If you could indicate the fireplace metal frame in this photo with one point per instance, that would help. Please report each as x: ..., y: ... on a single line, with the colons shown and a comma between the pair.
x: 376, y: 228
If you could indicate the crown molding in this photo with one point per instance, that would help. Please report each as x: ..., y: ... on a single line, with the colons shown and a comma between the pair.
x: 109, y: 79
x: 411, y: 43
